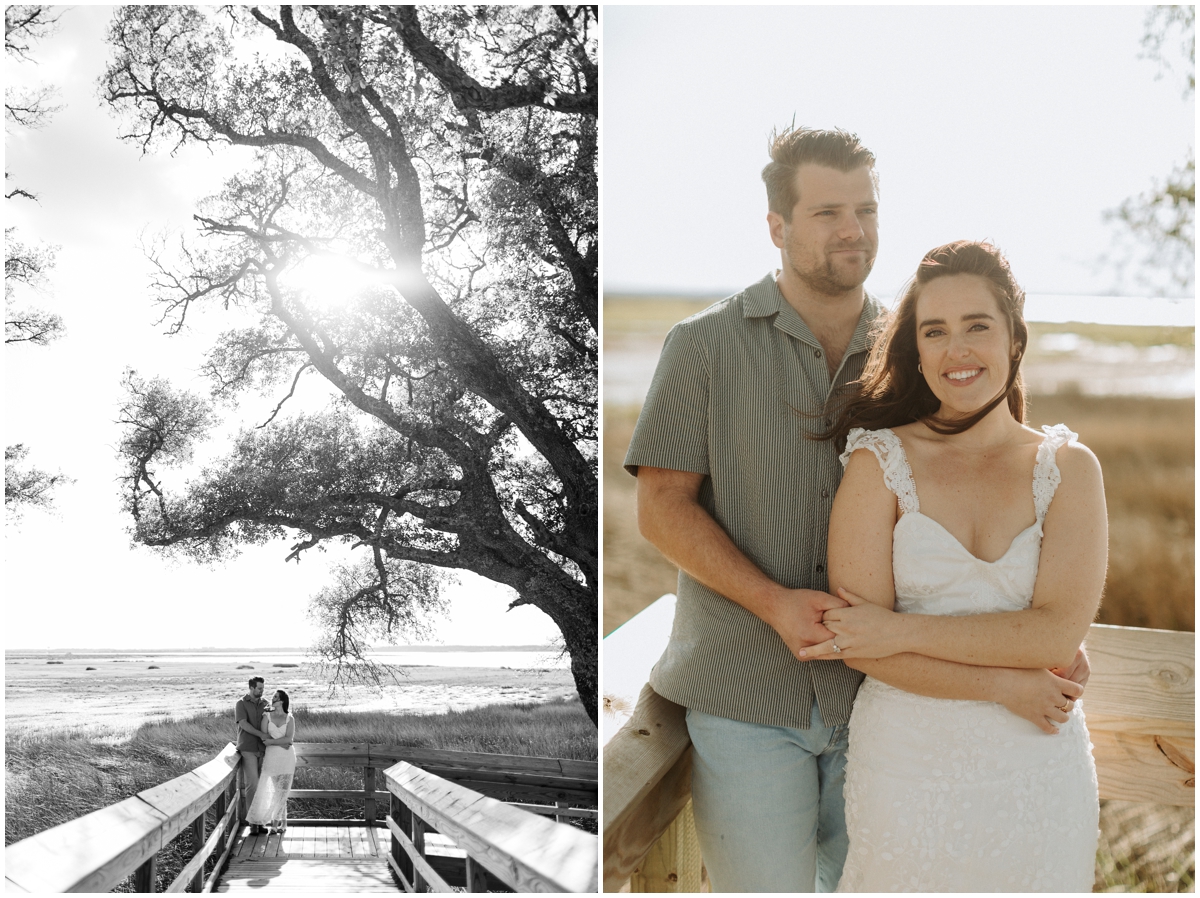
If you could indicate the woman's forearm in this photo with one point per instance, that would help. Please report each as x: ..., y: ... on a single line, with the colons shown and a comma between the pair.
x: 1033, y: 638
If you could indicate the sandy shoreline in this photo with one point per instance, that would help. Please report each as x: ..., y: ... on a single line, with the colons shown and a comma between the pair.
x: 120, y: 694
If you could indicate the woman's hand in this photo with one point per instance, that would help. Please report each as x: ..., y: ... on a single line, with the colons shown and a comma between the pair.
x: 1039, y: 696
x: 861, y: 630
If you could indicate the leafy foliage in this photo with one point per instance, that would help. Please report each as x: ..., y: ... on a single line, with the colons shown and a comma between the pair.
x: 1163, y: 219
x: 25, y: 486
x: 417, y: 232
x: 26, y: 265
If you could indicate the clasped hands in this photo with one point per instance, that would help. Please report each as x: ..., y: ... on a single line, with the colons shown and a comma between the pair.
x: 862, y: 629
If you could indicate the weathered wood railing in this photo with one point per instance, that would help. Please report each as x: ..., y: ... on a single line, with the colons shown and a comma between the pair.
x: 99, y: 851
x: 524, y: 852
x: 1140, y: 706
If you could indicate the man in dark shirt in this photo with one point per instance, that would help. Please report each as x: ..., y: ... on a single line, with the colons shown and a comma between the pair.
x: 248, y: 714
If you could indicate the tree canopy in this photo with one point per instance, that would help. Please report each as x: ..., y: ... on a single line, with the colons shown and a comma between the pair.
x: 418, y: 233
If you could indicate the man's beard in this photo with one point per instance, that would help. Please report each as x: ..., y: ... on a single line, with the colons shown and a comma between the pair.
x: 825, y: 279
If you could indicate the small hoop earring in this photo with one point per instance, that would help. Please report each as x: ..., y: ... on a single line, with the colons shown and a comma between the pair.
x: 919, y: 368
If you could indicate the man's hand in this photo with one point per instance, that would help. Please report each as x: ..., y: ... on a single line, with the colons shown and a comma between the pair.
x: 796, y: 616
x: 1079, y: 671
x: 1039, y: 696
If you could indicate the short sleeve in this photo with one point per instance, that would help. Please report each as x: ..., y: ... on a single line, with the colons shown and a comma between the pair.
x: 672, y: 429
x: 240, y: 712
x: 889, y: 452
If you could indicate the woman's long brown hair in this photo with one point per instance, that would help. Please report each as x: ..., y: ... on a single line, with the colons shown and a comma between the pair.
x: 892, y: 391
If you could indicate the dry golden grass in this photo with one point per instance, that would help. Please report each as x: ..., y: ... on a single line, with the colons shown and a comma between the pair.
x: 1146, y: 449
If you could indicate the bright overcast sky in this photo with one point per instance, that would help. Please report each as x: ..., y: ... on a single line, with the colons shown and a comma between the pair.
x: 1020, y: 124
x: 72, y: 579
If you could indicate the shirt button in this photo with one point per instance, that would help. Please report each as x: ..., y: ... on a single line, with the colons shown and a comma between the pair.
x: 824, y: 493
x: 817, y: 353
x: 829, y: 422
x: 820, y: 568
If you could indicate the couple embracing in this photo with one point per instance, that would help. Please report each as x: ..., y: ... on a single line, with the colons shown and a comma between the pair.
x: 881, y: 667
x: 265, y: 733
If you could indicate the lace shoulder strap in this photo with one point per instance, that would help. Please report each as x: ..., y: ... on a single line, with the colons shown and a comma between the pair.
x: 889, y: 451
x: 1046, y: 476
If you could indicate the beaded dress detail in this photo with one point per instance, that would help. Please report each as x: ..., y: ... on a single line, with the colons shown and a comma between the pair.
x: 964, y: 796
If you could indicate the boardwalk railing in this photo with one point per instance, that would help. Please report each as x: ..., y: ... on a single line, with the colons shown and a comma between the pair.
x: 524, y: 852
x: 99, y: 851
x: 1140, y: 706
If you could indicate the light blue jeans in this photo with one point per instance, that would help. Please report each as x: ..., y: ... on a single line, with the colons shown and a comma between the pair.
x: 768, y: 803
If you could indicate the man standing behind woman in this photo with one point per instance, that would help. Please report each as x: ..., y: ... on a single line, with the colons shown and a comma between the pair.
x: 735, y: 491
x: 248, y: 715
x: 265, y: 735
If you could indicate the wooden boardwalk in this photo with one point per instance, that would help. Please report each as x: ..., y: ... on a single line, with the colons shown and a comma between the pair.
x: 312, y: 859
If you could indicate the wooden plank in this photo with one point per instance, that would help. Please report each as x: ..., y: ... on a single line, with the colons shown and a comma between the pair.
x: 328, y: 793
x: 673, y: 864
x: 317, y: 875
x: 231, y: 840
x: 1137, y: 767
x: 551, y: 810
x: 528, y: 852
x: 405, y: 883
x: 93, y: 853
x: 195, y: 867
x: 369, y: 795
x: 345, y: 847
x: 647, y: 782
x: 1143, y: 681
x: 424, y: 872
x: 387, y: 755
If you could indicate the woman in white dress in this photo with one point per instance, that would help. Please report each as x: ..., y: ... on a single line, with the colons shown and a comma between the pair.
x: 960, y: 534
x: 269, y: 807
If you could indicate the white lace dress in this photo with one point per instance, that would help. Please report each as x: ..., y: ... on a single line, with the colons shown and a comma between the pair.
x: 274, y: 780
x: 963, y: 796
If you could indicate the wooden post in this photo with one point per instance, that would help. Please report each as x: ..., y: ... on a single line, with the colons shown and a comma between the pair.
x: 199, y: 835
x: 418, y: 840
x: 558, y: 818
x: 476, y: 876
x: 403, y: 819
x: 369, y: 788
x: 145, y: 877
x: 673, y: 863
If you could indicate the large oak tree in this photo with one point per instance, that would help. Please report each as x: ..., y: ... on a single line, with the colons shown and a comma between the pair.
x: 439, y: 163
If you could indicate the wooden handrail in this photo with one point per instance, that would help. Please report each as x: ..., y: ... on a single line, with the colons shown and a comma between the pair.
x: 1139, y: 703
x: 98, y: 851
x: 526, y: 852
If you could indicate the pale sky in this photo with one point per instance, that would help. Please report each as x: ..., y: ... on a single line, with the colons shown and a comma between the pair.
x: 1019, y: 124
x: 71, y: 578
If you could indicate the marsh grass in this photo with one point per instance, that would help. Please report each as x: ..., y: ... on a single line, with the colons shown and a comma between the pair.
x: 54, y: 777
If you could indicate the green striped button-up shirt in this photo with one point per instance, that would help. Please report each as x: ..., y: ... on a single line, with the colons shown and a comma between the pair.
x: 736, y: 389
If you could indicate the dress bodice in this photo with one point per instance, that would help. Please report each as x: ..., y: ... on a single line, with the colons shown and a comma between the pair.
x: 933, y: 572
x: 277, y: 732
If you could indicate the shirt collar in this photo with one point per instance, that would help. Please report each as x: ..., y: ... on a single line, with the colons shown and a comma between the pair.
x: 763, y: 300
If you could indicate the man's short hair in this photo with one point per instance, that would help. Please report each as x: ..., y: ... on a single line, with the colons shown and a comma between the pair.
x: 793, y: 147
x: 254, y: 680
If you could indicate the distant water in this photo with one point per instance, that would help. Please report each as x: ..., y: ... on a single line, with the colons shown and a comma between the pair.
x: 1060, y: 363
x: 522, y: 658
